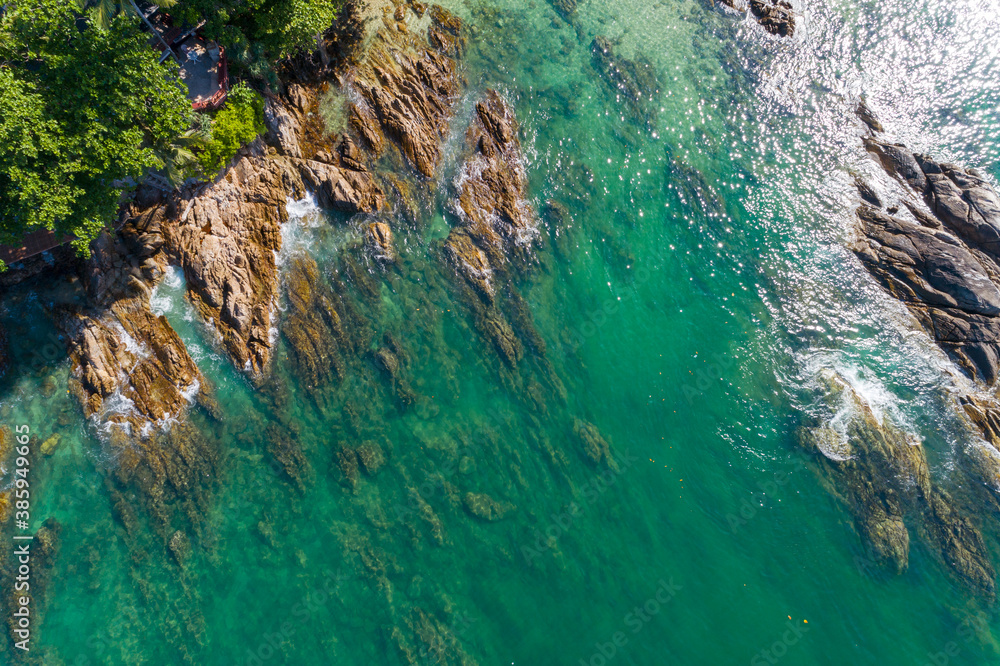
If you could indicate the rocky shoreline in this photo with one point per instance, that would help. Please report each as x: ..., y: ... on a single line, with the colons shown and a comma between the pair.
x: 938, y: 253
x: 133, y: 375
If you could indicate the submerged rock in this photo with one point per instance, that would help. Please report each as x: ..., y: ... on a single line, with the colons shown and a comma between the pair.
x: 486, y: 508
x: 882, y: 474
x: 636, y: 80
x: 180, y: 547
x: 287, y: 453
x: 565, y: 8
x: 312, y: 328
x: 594, y: 446
x: 371, y: 456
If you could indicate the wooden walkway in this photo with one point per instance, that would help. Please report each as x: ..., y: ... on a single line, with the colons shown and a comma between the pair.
x: 34, y: 243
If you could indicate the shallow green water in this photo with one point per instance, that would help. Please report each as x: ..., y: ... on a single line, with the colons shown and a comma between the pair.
x: 684, y: 316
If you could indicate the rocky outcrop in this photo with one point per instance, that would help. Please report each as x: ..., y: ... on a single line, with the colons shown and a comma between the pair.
x: 922, y: 266
x: 283, y: 127
x: 882, y: 474
x: 775, y: 16
x: 944, y: 264
x: 491, y: 185
x: 495, y: 217
x: 378, y: 239
x: 496, y: 225
x: 227, y: 236
x: 472, y: 263
x: 408, y: 86
x: 131, y: 369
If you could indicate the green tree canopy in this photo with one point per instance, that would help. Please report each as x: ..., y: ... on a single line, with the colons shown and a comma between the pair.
x: 261, y: 32
x: 82, y: 110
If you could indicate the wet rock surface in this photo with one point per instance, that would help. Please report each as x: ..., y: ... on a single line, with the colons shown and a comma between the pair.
x: 408, y: 85
x: 313, y: 327
x: 943, y: 264
x: 379, y: 239
x: 882, y: 474
x: 775, y: 16
x: 495, y: 217
x: 226, y: 237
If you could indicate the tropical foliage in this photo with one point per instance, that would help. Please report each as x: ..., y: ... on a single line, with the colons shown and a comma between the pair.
x: 82, y: 109
x: 259, y: 33
x: 87, y: 109
x: 238, y: 123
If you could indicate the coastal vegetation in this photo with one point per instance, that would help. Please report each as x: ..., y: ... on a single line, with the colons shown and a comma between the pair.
x: 82, y: 113
x: 87, y: 108
x: 238, y: 123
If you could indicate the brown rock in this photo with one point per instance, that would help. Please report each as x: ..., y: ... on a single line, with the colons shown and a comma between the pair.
x: 776, y: 16
x: 409, y: 89
x: 471, y: 263
x: 283, y: 129
x: 226, y: 237
x: 378, y: 238
x: 129, y: 351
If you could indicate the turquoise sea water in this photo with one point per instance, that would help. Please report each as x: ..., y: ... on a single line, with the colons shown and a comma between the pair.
x: 685, y: 312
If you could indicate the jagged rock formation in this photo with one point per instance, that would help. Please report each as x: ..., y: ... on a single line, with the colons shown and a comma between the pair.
x: 283, y: 127
x: 378, y: 238
x: 775, y: 16
x: 882, y: 474
x: 491, y: 206
x: 496, y: 223
x: 131, y: 354
x: 408, y: 86
x: 227, y: 236
x: 945, y: 265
